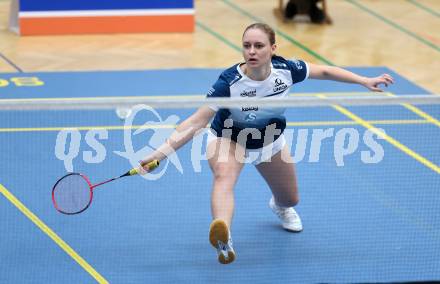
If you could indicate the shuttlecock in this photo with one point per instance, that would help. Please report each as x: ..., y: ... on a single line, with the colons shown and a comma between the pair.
x: 123, y: 112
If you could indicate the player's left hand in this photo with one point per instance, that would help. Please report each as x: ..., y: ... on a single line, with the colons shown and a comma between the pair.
x: 374, y: 83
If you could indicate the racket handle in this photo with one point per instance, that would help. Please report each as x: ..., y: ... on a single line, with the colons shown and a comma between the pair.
x: 151, y: 166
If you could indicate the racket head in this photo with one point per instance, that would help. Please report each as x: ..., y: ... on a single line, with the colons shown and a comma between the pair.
x: 72, y: 194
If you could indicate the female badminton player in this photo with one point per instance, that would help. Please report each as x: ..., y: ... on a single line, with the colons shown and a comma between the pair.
x: 262, y: 74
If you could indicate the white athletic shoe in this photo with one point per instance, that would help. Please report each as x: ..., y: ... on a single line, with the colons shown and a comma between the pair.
x: 288, y: 216
x: 220, y: 238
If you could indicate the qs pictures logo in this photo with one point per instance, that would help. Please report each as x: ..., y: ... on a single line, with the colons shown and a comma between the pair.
x: 160, y: 133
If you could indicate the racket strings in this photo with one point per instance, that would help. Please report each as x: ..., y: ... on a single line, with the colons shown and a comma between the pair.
x: 72, y: 194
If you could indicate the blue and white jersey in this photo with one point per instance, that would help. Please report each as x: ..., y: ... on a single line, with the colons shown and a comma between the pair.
x: 234, y: 83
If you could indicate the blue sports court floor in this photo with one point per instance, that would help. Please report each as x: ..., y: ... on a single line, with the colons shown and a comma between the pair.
x: 363, y: 222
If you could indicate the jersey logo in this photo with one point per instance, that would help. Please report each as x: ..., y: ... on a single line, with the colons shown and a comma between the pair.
x: 297, y: 64
x: 279, y: 85
x: 210, y: 92
x: 249, y: 108
x: 249, y: 93
x: 250, y: 117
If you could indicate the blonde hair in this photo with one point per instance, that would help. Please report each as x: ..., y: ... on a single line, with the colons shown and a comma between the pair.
x: 265, y: 28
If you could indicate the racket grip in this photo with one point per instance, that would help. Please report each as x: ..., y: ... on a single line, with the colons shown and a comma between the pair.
x: 151, y: 166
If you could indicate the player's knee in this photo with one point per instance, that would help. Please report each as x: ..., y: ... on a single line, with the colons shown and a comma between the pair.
x: 223, y: 172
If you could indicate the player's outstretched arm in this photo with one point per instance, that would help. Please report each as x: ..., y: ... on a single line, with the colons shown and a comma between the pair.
x: 184, y: 132
x: 334, y: 73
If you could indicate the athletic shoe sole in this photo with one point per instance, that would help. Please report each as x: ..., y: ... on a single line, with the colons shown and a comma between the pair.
x: 219, y: 232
